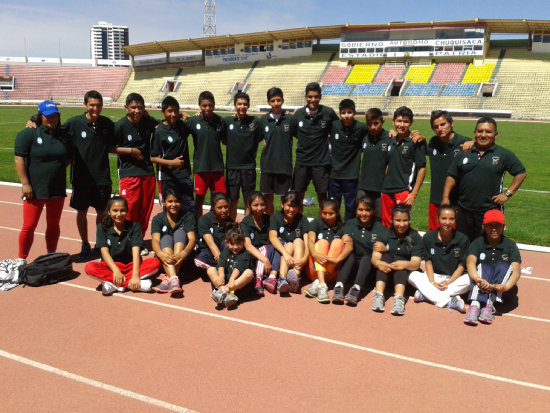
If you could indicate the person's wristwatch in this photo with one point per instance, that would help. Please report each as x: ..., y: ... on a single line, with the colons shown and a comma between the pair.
x: 508, y: 193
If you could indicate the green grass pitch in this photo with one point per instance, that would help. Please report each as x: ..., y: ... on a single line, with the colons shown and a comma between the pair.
x: 527, y: 217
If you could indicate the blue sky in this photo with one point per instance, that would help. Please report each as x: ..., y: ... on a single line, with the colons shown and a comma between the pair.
x: 64, y: 25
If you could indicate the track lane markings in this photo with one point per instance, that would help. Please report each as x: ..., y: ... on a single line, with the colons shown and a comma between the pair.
x: 335, y: 342
x: 94, y: 383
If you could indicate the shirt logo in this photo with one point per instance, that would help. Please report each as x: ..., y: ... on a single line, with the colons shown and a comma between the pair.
x: 336, y: 136
x: 389, y: 149
x: 252, y: 236
x: 170, y: 139
x: 252, y: 126
x: 505, y: 257
x: 231, y: 127
x: 456, y: 151
x: 83, y: 134
x: 39, y: 140
x: 435, y: 152
x: 211, y: 230
x: 405, y: 150
x: 323, y: 124
x: 482, y: 256
x: 385, y: 147
x: 281, y: 230
x: 457, y: 252
x: 496, y: 160
x: 198, y: 126
x: 130, y: 138
x: 365, y: 146
x: 320, y: 236
x: 286, y: 128
x: 301, y: 124
x: 266, y: 129
x: 109, y: 242
x: 123, y: 192
x: 465, y: 161
x: 164, y: 228
x: 373, y: 238
x: 432, y: 251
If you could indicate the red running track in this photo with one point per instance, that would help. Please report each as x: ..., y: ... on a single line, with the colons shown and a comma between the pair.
x: 66, y: 347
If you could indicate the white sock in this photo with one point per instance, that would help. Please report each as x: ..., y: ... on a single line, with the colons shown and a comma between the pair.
x: 271, y: 276
x: 339, y: 284
x: 475, y: 303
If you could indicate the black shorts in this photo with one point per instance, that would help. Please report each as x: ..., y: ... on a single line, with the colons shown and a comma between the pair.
x: 235, y: 179
x: 275, y: 184
x: 318, y: 174
x: 90, y: 196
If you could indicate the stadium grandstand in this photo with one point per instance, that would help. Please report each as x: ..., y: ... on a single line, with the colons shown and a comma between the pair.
x: 466, y: 67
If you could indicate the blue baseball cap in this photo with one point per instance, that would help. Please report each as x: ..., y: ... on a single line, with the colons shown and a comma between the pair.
x: 47, y: 107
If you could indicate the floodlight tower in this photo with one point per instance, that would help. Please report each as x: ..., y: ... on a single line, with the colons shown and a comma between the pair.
x: 209, y: 23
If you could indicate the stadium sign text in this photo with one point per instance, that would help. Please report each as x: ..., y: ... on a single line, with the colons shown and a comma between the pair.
x: 409, y: 43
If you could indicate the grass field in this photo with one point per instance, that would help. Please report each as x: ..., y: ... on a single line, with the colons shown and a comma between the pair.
x: 526, y: 213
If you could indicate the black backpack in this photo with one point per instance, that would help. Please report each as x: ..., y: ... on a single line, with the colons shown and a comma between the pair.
x: 47, y: 269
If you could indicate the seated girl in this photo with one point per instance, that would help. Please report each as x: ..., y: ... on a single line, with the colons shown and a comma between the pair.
x: 232, y: 277
x: 255, y: 228
x: 211, y: 230
x: 445, y: 252
x: 364, y: 230
x: 287, y: 233
x: 404, y: 254
x: 494, y: 265
x: 327, y: 248
x: 120, y: 242
x: 173, y: 239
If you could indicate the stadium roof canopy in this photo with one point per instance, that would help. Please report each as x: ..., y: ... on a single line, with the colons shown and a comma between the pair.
x: 328, y: 32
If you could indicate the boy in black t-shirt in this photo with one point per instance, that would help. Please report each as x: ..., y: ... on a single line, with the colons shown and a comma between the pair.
x: 170, y: 152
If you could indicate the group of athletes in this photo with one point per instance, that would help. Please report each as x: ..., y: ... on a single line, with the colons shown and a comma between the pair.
x: 377, y: 172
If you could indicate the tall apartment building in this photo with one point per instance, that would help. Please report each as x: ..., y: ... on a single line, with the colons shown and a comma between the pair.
x: 106, y: 41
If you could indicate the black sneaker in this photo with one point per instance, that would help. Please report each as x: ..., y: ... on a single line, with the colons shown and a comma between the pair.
x: 352, y: 296
x: 338, y: 296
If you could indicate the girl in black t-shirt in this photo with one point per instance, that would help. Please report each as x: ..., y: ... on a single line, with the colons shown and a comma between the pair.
x: 120, y: 242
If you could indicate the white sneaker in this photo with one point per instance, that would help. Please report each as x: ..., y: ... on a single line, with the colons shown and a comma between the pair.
x: 144, y: 251
x: 108, y: 288
x: 145, y: 285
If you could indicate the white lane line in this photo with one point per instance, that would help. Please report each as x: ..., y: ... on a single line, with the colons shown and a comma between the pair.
x: 525, y: 317
x: 39, y: 233
x: 95, y: 383
x: 330, y: 341
x: 533, y: 278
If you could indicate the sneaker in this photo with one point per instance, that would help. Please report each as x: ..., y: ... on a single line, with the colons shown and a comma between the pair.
x: 108, y: 288
x: 164, y: 286
x: 338, y: 296
x: 457, y: 304
x: 472, y: 316
x: 144, y: 251
x: 322, y: 294
x: 352, y: 296
x: 313, y: 289
x: 419, y: 297
x: 145, y: 286
x: 283, y: 286
x: 293, y: 280
x: 398, y: 307
x: 85, y: 251
x: 230, y: 300
x: 218, y: 295
x: 270, y: 284
x: 486, y: 316
x: 174, y: 285
x: 378, y: 302
x: 258, y: 288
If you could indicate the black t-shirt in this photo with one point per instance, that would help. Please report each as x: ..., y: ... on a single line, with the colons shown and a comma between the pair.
x: 446, y: 257
x: 288, y: 232
x: 46, y: 154
x: 120, y: 245
x: 258, y: 236
x: 170, y: 142
x: 161, y: 225
x: 277, y: 136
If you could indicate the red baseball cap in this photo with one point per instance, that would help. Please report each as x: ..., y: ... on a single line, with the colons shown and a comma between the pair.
x: 493, y: 215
